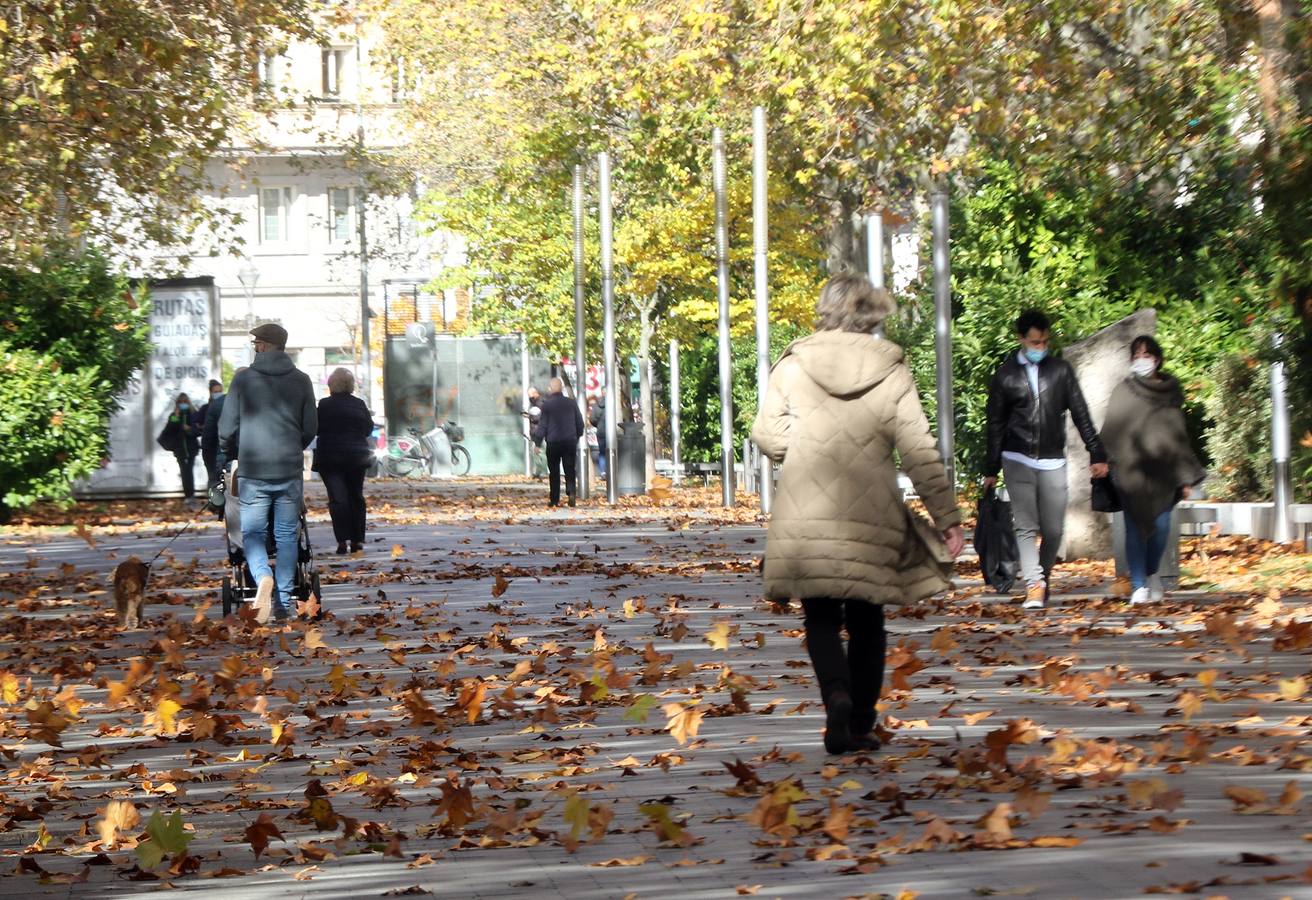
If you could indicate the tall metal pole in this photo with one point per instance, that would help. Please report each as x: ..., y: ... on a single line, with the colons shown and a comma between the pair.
x: 875, y: 248
x: 1281, y: 532
x: 523, y: 393
x: 722, y: 290
x: 580, y: 365
x: 875, y: 255
x: 943, y: 331
x: 363, y: 194
x: 676, y: 456
x: 760, y: 245
x: 608, y: 341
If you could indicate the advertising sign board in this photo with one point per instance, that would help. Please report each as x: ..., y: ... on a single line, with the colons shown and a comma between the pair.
x: 184, y: 320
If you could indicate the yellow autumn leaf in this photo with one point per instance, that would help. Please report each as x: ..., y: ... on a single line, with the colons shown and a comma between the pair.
x: 1207, y: 679
x: 164, y: 719
x: 117, y: 816
x: 10, y: 690
x: 718, y: 636
x: 1293, y: 688
x: 1190, y: 704
x: 682, y: 721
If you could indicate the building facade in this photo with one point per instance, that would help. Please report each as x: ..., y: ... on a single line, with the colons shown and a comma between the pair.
x: 292, y: 186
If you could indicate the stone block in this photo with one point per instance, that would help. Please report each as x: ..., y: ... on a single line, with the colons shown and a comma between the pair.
x: 1101, y: 362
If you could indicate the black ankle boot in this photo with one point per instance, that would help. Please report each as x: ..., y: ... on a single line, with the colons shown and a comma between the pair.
x: 865, y: 742
x: 838, y: 721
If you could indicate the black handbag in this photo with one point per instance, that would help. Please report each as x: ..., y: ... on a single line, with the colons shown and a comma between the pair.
x: 995, y: 542
x: 1103, y: 496
x: 170, y: 439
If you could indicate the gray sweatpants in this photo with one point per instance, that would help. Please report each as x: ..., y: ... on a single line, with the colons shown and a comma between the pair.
x: 1038, y: 507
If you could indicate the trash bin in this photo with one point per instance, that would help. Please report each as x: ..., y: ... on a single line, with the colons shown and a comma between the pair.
x: 632, y: 460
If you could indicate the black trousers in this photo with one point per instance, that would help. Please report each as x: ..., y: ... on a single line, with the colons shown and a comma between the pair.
x: 210, y: 459
x: 187, y: 465
x: 566, y: 454
x: 859, y: 669
x: 345, y: 486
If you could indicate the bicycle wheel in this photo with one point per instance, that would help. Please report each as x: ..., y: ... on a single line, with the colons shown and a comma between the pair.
x: 460, y: 460
x: 403, y: 466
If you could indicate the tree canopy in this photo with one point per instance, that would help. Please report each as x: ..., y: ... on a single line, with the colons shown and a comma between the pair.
x: 1179, y: 130
x: 110, y: 109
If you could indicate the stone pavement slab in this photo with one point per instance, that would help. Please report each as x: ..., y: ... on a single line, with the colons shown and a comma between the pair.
x: 496, y: 701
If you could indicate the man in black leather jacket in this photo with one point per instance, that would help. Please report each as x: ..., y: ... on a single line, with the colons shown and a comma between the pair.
x: 1029, y: 396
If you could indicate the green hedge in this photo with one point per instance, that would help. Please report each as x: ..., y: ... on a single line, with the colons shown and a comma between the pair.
x: 72, y: 333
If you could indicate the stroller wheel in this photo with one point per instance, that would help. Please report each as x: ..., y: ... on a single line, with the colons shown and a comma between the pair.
x: 227, y: 596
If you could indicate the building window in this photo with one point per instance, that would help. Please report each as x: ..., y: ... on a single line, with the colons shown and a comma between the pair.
x: 341, y: 214
x: 334, y: 65
x: 275, y: 214
x: 403, y: 85
x: 268, y: 70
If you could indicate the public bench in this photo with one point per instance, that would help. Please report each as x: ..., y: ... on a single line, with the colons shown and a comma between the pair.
x: 703, y: 469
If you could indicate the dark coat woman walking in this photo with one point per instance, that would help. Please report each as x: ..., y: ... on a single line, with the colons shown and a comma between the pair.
x: 839, y: 404
x: 342, y: 456
x: 181, y: 437
x: 1152, y: 462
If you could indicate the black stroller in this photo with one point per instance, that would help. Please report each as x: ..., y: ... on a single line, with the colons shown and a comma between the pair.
x: 238, y: 585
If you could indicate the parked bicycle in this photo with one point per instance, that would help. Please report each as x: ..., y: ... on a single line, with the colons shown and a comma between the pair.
x: 413, y: 453
x: 460, y: 459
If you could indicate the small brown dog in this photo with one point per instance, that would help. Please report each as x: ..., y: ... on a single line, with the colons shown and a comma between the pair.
x: 130, y: 591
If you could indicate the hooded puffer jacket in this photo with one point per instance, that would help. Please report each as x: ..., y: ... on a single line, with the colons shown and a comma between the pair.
x: 838, y: 406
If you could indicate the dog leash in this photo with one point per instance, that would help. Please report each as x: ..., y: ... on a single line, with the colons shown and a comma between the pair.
x: 181, y: 532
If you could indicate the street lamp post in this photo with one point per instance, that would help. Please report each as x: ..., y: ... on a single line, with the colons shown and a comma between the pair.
x: 366, y: 356
x: 718, y: 180
x: 249, y: 276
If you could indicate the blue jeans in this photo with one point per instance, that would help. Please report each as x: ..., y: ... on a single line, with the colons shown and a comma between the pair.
x: 1143, y: 555
x: 284, y: 497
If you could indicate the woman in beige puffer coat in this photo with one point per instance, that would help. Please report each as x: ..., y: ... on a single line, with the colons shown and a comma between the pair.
x: 840, y: 402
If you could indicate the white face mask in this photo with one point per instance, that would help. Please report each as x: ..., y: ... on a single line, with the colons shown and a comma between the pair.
x: 1143, y: 366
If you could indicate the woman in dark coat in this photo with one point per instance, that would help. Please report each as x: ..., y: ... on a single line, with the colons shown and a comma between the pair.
x: 181, y: 436
x: 342, y: 456
x: 1152, y: 462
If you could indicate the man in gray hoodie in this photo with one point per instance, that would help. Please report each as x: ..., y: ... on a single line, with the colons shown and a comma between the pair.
x: 269, y: 418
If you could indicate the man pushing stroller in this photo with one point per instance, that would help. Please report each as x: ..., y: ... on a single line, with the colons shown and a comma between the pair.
x: 269, y: 418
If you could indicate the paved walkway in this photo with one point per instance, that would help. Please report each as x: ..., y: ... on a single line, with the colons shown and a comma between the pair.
x: 508, y: 702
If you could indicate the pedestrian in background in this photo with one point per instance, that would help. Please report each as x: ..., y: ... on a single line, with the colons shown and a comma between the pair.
x: 537, y: 464
x: 1153, y: 464
x: 181, y: 437
x: 342, y: 456
x: 840, y: 402
x: 209, y: 432
x: 269, y: 418
x: 594, y: 443
x: 560, y: 427
x: 597, y: 418
x: 1029, y: 396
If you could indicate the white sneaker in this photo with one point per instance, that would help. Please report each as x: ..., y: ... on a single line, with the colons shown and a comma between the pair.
x: 264, y: 600
x: 1155, y: 589
x: 1140, y: 597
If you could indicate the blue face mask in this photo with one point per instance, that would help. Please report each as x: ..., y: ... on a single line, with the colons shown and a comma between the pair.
x: 184, y: 406
x: 1035, y: 356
